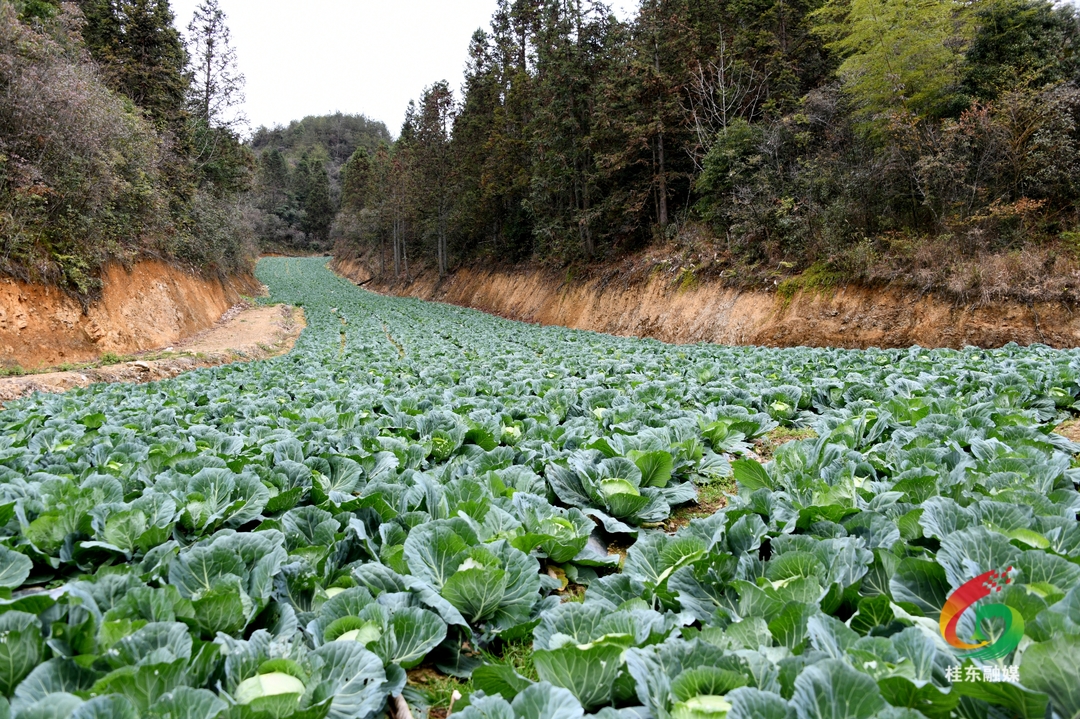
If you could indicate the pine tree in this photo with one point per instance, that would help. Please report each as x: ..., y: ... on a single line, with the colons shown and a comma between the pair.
x: 380, y: 201
x: 645, y: 126
x: 215, y: 93
x: 141, y: 55
x: 313, y: 193
x: 571, y: 57
x: 430, y: 147
x: 273, y: 181
x: 476, y: 209
x: 156, y: 58
x: 771, y: 39
x: 516, y: 24
x: 356, y: 180
x: 507, y: 154
x: 363, y: 199
x: 404, y: 194
x: 217, y: 86
x: 625, y: 140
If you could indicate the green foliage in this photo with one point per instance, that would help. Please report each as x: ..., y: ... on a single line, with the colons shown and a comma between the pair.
x: 141, y: 55
x: 337, y: 135
x: 287, y: 537
x: 214, y: 235
x: 819, y: 277
x: 298, y: 190
x: 578, y: 134
x: 730, y: 159
x: 92, y: 171
x: 312, y: 189
x: 37, y: 9
x: 426, y: 140
x: 846, y: 132
x: 357, y: 180
x: 815, y: 188
x: 899, y: 55
x: 573, y: 51
x: 1020, y: 43
x: 57, y: 223
x: 223, y: 165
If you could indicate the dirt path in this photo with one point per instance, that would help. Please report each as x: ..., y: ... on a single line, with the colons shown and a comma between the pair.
x: 142, y: 308
x: 244, y: 333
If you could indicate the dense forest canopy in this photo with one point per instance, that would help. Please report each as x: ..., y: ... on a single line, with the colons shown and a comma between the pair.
x: 298, y: 178
x: 844, y: 136
x: 856, y: 139
x: 119, y: 139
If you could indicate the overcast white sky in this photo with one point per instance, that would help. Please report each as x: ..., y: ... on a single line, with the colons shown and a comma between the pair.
x: 356, y: 56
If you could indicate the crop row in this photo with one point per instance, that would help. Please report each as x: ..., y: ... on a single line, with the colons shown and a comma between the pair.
x: 416, y: 485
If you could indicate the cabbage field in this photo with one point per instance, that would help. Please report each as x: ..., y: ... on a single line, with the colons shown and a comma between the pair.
x: 419, y: 490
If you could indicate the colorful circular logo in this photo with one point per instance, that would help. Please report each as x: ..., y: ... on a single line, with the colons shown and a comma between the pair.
x: 967, y: 594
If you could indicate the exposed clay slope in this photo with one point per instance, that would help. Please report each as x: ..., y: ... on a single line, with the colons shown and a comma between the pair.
x: 152, y: 305
x: 248, y: 333
x: 650, y: 306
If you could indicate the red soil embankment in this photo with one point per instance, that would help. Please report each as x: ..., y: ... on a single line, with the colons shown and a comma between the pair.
x: 150, y: 306
x: 244, y: 333
x: 655, y: 304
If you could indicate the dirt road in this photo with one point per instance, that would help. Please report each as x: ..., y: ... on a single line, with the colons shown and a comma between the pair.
x: 244, y: 333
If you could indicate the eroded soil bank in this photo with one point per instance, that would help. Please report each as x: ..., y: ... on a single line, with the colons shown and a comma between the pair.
x: 660, y: 306
x: 151, y: 306
x: 244, y: 333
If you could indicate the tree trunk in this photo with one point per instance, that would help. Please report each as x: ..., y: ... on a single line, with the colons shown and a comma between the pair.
x: 438, y: 253
x: 662, y: 184
x: 588, y: 231
x: 397, y: 250
x: 443, y: 260
x: 662, y: 189
x: 209, y: 77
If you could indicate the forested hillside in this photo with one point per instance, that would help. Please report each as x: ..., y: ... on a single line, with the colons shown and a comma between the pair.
x: 812, y: 142
x: 298, y: 182
x: 867, y: 140
x: 119, y: 138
